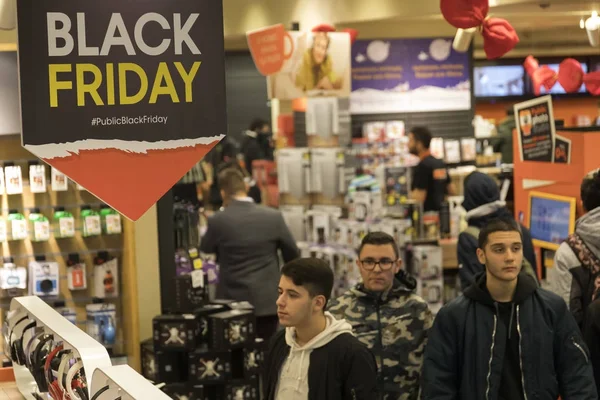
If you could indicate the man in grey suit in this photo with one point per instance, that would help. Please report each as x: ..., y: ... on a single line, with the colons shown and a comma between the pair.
x: 246, y: 237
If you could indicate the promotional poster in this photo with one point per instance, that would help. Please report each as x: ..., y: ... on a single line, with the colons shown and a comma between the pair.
x: 302, y: 64
x: 562, y: 150
x: 536, y: 131
x: 122, y: 97
x: 409, y: 75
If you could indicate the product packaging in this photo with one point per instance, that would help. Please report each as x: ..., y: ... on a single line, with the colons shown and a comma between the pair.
x: 2, y: 186
x: 191, y: 294
x: 39, y: 226
x: 64, y: 223
x: 76, y: 273
x: 59, y: 181
x: 90, y: 221
x: 11, y: 276
x: 37, y: 178
x: 185, y: 391
x: 327, y: 172
x: 163, y: 366
x: 111, y: 220
x: 44, y: 277
x: 176, y: 332
x: 365, y: 206
x: 232, y: 328
x: 101, y: 323
x: 294, y: 219
x: 14, y: 179
x: 67, y: 312
x: 3, y: 230
x: 318, y: 226
x: 210, y: 366
x: 18, y: 225
x: 246, y: 389
x: 254, y: 357
x: 292, y: 179
x: 202, y: 316
x: 106, y: 277
x: 427, y: 269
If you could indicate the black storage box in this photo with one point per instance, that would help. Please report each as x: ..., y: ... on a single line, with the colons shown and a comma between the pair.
x: 254, y: 357
x: 187, y: 297
x: 202, y: 315
x: 176, y: 332
x: 180, y: 391
x: 163, y: 366
x: 232, y: 329
x: 242, y: 390
x: 210, y: 366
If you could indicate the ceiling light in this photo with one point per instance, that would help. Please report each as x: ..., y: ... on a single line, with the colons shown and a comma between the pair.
x: 581, y: 23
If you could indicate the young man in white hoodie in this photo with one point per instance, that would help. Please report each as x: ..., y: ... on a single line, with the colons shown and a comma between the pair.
x: 316, y: 357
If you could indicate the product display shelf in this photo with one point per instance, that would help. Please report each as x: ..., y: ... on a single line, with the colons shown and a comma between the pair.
x: 92, y: 353
x: 125, y: 383
x: 57, y: 249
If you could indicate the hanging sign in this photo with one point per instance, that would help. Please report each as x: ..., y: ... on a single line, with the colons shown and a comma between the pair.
x: 536, y: 131
x: 122, y: 97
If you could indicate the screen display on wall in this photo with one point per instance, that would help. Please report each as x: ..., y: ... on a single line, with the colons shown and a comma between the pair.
x: 499, y: 81
x: 552, y: 219
x: 557, y: 89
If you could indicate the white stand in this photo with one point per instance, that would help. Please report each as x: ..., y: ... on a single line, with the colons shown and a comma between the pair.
x: 92, y: 353
x: 125, y: 382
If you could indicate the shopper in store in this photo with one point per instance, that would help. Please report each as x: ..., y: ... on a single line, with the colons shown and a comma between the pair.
x: 430, y: 181
x: 387, y: 316
x: 577, y: 260
x: 505, y: 337
x: 246, y: 238
x: 483, y: 204
x: 504, y: 141
x: 257, y: 143
x: 316, y: 356
x: 226, y: 157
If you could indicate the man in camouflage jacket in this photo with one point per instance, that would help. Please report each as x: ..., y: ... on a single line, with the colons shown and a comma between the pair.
x: 388, y: 317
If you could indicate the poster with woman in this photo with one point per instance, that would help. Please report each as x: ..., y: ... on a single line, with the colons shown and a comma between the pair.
x: 302, y: 64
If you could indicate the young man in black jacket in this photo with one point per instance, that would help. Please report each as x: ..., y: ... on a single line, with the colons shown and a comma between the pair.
x: 316, y: 357
x: 506, y: 338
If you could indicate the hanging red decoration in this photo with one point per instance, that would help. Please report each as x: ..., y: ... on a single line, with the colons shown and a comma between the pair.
x: 330, y: 28
x: 499, y: 37
x: 570, y: 76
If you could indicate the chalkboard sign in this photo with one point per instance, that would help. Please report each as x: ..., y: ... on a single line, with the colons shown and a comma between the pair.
x: 551, y: 219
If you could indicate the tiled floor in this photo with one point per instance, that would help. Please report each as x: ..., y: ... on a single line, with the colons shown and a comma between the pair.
x: 9, y: 391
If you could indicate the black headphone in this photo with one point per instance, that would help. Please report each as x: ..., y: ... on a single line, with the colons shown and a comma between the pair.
x: 13, y: 350
x: 19, y: 343
x: 41, y: 352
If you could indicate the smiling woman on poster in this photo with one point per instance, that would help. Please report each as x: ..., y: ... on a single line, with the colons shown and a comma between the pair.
x: 316, y: 70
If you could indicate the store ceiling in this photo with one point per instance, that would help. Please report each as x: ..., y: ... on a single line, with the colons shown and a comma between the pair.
x: 546, y: 27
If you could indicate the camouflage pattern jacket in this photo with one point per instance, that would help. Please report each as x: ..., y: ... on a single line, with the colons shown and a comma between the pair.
x: 394, y: 326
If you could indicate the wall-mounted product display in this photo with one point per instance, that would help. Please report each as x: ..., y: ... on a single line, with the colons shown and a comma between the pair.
x: 409, y: 75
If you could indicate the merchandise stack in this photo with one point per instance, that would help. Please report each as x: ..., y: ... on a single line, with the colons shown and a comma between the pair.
x: 206, y: 351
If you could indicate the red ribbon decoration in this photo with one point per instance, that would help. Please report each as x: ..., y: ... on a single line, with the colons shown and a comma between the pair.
x: 570, y: 76
x: 329, y: 28
x: 499, y: 37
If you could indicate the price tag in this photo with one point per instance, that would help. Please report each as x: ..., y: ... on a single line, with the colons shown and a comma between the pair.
x: 197, y: 279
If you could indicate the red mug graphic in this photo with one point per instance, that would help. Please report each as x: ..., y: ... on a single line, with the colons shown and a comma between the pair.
x: 526, y: 122
x: 267, y: 46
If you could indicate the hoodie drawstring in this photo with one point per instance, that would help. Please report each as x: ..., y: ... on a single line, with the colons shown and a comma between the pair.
x: 299, y: 377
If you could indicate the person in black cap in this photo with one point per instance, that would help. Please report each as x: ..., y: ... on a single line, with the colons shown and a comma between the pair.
x: 483, y: 204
